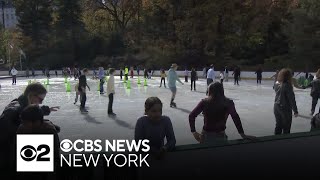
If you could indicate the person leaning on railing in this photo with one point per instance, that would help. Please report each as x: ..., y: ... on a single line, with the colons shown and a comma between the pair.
x: 155, y: 127
x: 216, y: 109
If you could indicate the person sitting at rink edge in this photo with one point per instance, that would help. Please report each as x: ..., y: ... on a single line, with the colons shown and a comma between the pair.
x: 155, y: 127
x: 216, y: 109
x: 32, y: 122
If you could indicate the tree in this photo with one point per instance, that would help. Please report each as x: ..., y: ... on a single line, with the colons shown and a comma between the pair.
x: 69, y: 26
x: 34, y: 18
x: 304, y: 33
x: 121, y: 11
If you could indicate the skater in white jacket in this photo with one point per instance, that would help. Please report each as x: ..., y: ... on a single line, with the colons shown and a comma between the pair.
x: 14, y: 73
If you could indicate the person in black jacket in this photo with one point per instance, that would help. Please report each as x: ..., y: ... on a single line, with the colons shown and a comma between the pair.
x: 259, y: 75
x: 82, y: 90
x: 10, y: 120
x: 284, y: 103
x: 236, y: 75
x: 315, y: 92
x: 194, y: 77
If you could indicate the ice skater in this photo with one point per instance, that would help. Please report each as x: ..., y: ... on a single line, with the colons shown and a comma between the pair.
x: 155, y: 127
x: 121, y: 73
x: 101, y: 75
x: 145, y: 73
x: 172, y: 78
x: 259, y: 75
x: 163, y: 77
x: 48, y: 73
x: 236, y: 75
x: 204, y: 73
x: 126, y: 73
x: 194, y: 78
x: 14, y: 73
x: 284, y: 103
x: 315, y: 92
x: 138, y: 70
x: 226, y: 74
x: 82, y: 90
x: 186, y: 74
x: 210, y: 76
x: 149, y: 74
x: 32, y: 72
x: 131, y: 72
x: 111, y: 92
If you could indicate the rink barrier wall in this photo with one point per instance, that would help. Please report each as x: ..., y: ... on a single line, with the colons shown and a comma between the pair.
x: 292, y: 155
x: 244, y: 74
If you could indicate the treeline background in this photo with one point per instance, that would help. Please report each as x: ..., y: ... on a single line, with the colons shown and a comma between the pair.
x: 155, y: 33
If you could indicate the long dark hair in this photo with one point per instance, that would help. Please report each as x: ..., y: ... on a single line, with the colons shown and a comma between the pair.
x: 216, y: 104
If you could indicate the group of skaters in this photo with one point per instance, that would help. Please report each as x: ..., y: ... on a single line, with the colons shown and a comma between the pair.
x: 82, y: 85
x: 25, y: 115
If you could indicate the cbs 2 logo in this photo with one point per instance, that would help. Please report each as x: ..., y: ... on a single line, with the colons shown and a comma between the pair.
x: 29, y: 153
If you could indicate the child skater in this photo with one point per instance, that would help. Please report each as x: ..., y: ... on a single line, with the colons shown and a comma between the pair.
x: 111, y: 92
x: 163, y: 77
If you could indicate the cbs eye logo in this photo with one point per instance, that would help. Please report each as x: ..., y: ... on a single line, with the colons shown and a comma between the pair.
x: 29, y: 153
x: 66, y: 145
x: 35, y: 153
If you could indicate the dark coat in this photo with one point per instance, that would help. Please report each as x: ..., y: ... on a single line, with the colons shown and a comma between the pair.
x: 9, y: 123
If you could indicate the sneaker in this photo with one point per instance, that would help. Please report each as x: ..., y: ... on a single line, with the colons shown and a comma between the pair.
x: 311, y: 114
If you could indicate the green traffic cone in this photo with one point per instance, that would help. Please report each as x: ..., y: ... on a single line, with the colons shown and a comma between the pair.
x: 48, y: 82
x: 68, y: 89
x: 128, y: 85
x: 98, y: 86
x: 139, y: 80
x: 145, y: 82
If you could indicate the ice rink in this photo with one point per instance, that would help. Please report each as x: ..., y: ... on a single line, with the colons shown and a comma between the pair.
x: 253, y: 103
